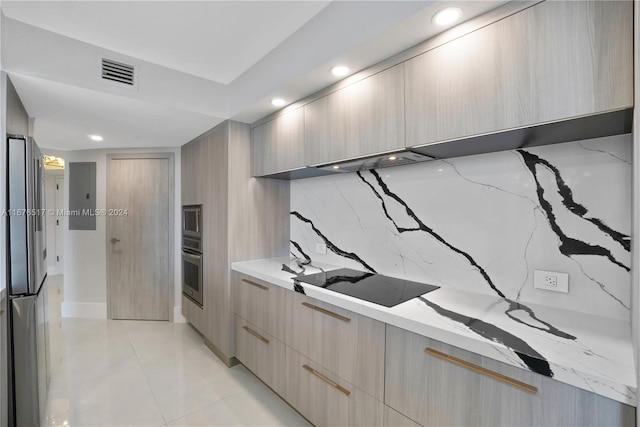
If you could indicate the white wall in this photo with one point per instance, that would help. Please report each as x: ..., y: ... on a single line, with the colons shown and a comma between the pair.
x: 85, y: 269
x: 484, y: 223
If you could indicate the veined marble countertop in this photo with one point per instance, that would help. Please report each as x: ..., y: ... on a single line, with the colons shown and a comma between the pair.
x: 590, y: 352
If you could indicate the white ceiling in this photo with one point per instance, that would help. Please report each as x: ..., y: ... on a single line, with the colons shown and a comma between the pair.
x: 217, y: 40
x: 69, y: 114
x: 199, y: 63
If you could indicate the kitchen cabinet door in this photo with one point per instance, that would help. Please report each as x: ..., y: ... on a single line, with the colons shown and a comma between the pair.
x: 350, y: 345
x: 260, y: 303
x: 364, y: 118
x: 324, y: 398
x: 261, y: 353
x: 436, y: 392
x: 187, y: 157
x: 193, y: 172
x: 550, y: 62
x: 278, y: 145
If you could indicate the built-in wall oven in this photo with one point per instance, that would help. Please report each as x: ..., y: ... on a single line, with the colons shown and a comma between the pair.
x: 192, y: 253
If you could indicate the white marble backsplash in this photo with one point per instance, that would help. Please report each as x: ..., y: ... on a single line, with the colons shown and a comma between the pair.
x: 484, y: 223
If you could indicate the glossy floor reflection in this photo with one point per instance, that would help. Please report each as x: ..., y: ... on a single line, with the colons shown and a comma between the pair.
x: 134, y: 373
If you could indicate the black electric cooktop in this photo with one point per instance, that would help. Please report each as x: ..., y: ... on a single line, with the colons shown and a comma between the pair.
x: 376, y: 288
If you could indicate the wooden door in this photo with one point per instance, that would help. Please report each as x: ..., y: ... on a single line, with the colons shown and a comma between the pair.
x: 139, y: 261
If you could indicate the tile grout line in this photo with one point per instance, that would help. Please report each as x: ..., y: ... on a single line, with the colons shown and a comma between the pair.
x: 211, y: 403
x: 144, y: 374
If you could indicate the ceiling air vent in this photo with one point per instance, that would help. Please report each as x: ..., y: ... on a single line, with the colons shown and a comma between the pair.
x: 118, y: 73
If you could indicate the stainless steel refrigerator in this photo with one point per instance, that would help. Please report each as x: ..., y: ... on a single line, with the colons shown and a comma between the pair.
x: 28, y: 320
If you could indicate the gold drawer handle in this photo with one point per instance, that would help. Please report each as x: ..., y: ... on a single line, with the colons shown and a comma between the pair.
x: 327, y: 312
x: 484, y: 371
x: 257, y: 285
x: 255, y: 334
x: 327, y: 380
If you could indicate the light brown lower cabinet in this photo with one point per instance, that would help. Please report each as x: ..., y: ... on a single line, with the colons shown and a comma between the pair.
x: 260, y: 303
x: 261, y: 353
x: 433, y: 391
x: 326, y: 399
x: 344, y: 342
x: 338, y: 368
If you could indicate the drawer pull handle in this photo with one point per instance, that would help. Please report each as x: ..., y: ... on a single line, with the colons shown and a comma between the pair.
x: 257, y: 285
x: 327, y: 312
x: 327, y: 380
x: 1, y: 312
x: 484, y: 371
x: 255, y: 334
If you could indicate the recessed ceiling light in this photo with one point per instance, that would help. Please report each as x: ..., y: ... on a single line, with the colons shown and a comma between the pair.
x: 447, y: 16
x: 96, y: 137
x: 336, y: 167
x: 340, y: 70
x: 392, y: 157
x: 278, y: 102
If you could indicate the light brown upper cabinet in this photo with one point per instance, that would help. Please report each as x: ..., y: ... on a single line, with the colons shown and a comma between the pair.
x: 277, y: 145
x: 364, y: 118
x: 550, y: 62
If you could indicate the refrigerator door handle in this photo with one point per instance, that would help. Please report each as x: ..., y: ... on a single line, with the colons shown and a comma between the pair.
x: 32, y: 190
x: 36, y: 228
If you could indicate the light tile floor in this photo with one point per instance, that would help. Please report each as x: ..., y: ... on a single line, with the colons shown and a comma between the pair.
x: 137, y: 373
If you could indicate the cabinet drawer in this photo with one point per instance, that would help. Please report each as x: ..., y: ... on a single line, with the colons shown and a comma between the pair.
x: 260, y: 303
x: 261, y: 353
x: 326, y: 399
x: 194, y: 314
x: 433, y: 391
x: 345, y: 343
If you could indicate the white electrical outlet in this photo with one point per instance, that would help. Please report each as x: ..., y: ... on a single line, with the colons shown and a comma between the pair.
x: 551, y: 281
x: 321, y: 248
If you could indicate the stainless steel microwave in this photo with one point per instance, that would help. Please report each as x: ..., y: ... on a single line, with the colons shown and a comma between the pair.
x: 192, y: 221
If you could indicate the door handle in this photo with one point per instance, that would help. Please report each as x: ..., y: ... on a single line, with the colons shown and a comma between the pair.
x: 114, y: 240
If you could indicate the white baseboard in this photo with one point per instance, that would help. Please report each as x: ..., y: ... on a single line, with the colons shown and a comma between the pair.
x: 84, y: 309
x: 99, y: 311
x: 177, y: 315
